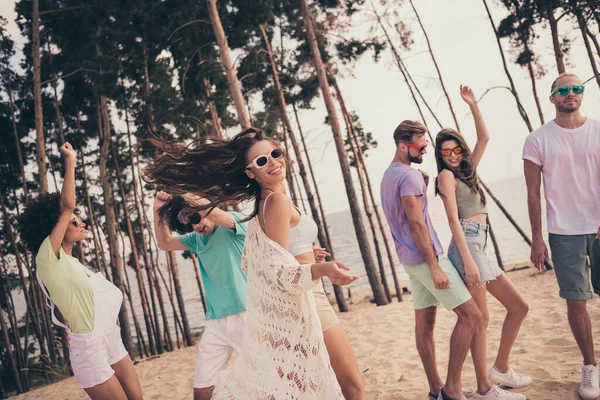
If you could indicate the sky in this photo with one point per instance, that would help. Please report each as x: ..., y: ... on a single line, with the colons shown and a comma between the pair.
x: 466, y: 50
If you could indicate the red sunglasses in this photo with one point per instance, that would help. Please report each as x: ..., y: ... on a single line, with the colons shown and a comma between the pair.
x: 416, y: 146
x: 448, y: 152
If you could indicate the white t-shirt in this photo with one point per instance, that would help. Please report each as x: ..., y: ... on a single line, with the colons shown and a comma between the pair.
x: 570, y: 161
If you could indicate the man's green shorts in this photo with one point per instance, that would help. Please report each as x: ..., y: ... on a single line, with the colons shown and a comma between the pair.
x: 425, y: 294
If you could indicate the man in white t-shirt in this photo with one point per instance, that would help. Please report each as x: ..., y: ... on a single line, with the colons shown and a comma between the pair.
x: 566, y: 153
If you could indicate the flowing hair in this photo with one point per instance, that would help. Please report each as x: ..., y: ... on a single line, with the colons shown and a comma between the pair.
x: 211, y: 167
x: 466, y: 170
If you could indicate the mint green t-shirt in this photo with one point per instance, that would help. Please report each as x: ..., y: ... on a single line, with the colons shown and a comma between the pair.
x: 68, y: 285
x: 220, y: 262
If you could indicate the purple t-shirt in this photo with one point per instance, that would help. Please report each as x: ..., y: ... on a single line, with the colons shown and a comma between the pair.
x: 400, y: 180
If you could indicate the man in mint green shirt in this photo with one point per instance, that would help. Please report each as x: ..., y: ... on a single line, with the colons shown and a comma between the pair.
x: 217, y: 239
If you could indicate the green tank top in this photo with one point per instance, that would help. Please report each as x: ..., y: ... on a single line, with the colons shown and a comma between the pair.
x: 469, y: 203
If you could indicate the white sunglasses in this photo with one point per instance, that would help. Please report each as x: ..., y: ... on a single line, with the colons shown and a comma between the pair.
x: 261, y: 161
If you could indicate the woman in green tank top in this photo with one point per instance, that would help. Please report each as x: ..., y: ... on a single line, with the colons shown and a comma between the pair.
x: 50, y: 227
x: 465, y: 204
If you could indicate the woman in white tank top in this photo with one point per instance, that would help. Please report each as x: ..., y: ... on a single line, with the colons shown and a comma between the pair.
x: 284, y: 356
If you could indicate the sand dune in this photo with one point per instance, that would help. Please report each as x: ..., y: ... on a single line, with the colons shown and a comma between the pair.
x: 383, y: 339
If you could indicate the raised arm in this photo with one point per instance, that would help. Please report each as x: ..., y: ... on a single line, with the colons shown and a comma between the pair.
x: 420, y: 233
x: 165, y: 239
x: 483, y: 136
x: 447, y: 188
x: 533, y: 179
x: 67, y: 197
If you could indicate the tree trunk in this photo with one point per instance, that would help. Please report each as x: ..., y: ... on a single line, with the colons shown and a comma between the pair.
x: 439, y: 73
x: 407, y: 78
x: 287, y: 126
x: 136, y: 260
x: 328, y: 244
x: 361, y: 235
x: 187, y: 334
x: 90, y: 208
x: 20, y: 354
x: 558, y: 53
x: 212, y: 108
x: 12, y: 364
x: 37, y: 97
x: 535, y: 93
x: 147, y: 260
x: 17, y: 143
x: 510, y: 218
x: 111, y: 222
x: 366, y: 203
x: 582, y: 27
x: 199, y: 281
x: 141, y: 343
x: 360, y: 160
x: 593, y: 39
x: 289, y: 176
x: 232, y: 80
x: 495, y: 243
x: 61, y: 131
x: 513, y: 89
x: 31, y: 305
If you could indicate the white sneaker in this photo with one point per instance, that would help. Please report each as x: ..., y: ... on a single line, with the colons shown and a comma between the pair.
x: 509, y: 379
x: 495, y: 393
x: 590, y: 382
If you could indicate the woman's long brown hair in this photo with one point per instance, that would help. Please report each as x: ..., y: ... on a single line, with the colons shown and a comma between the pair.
x: 210, y: 167
x: 466, y: 170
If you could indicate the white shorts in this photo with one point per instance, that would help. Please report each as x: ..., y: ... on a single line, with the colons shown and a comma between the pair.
x: 92, y: 355
x: 220, y: 338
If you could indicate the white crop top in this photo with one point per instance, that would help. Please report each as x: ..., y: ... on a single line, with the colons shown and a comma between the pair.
x: 302, y: 235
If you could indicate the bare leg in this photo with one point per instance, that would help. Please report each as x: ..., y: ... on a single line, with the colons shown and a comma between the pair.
x: 109, y: 390
x: 203, y: 393
x: 128, y: 378
x: 516, y: 311
x: 479, y: 343
x: 424, y: 324
x: 581, y: 326
x: 469, y: 320
x: 344, y: 363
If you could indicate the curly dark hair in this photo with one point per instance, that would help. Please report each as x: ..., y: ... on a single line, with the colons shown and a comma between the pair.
x: 38, y: 219
x: 211, y: 167
x: 169, y: 211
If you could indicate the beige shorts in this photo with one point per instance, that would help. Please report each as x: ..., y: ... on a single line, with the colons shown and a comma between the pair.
x: 326, y: 313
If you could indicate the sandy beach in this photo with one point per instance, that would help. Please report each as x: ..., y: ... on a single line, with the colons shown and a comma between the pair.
x: 383, y: 339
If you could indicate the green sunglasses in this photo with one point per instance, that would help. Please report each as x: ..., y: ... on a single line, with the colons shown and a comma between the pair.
x: 564, y: 90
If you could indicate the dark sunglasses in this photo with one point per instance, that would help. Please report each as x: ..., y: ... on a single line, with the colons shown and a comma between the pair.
x: 564, y: 90
x: 77, y: 222
x: 416, y: 146
x: 189, y: 219
x: 261, y: 161
x: 447, y: 152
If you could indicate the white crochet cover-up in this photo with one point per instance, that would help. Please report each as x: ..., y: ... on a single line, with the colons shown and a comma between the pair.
x: 283, y: 356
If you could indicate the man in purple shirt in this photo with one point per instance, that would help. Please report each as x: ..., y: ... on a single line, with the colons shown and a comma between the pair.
x: 433, y: 278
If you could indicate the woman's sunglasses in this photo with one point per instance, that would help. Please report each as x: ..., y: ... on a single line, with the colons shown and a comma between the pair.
x: 262, y: 161
x: 564, y: 90
x: 77, y: 222
x: 448, y: 152
x: 420, y: 148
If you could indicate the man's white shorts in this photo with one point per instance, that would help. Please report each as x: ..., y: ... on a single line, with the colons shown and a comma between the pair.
x: 220, y: 338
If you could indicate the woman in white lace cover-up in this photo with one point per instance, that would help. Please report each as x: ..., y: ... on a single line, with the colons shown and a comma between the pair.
x: 284, y: 356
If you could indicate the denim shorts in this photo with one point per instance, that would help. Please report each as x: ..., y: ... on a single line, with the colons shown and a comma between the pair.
x: 476, y: 235
x: 570, y: 255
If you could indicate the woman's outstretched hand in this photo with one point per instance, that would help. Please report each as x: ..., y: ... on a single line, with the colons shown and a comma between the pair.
x: 334, y: 270
x: 467, y: 95
x: 67, y: 152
